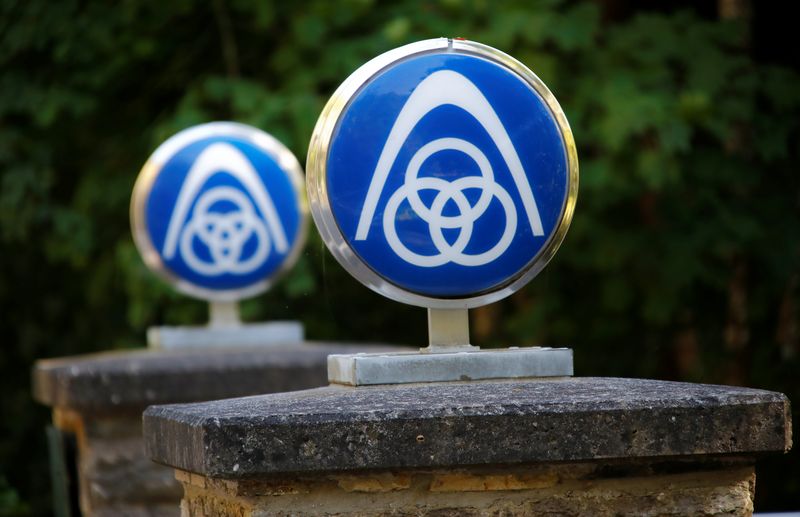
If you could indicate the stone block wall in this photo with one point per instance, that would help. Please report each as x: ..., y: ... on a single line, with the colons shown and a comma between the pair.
x: 116, y: 476
x: 99, y: 399
x: 578, y: 489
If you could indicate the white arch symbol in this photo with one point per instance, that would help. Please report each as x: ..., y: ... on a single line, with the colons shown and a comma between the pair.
x: 438, y: 89
x: 224, y: 234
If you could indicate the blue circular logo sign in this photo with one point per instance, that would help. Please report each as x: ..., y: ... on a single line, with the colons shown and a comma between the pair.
x: 450, y: 174
x: 218, y: 210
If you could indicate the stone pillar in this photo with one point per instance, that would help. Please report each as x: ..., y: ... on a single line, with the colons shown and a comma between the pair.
x: 98, y: 400
x: 571, y: 446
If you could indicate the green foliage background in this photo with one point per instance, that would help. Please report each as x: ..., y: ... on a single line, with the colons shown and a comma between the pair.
x: 683, y: 260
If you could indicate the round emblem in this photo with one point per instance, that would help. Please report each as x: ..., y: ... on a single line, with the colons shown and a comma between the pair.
x: 443, y: 174
x: 219, y: 211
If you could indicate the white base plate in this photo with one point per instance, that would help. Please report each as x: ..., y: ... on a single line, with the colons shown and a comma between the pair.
x: 244, y: 335
x: 462, y: 365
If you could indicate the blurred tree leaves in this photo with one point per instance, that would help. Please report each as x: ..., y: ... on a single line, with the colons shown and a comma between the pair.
x: 682, y: 261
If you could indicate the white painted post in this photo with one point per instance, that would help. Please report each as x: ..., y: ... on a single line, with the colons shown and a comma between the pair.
x: 223, y: 314
x: 448, y: 331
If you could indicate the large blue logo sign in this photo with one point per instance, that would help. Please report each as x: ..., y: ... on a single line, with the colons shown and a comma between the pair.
x: 449, y: 173
x: 218, y: 210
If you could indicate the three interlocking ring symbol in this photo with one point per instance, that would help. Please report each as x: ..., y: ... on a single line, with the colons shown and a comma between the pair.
x: 224, y: 234
x: 447, y: 191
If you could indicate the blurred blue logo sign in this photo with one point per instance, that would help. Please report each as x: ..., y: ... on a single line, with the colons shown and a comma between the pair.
x: 448, y: 174
x: 218, y: 209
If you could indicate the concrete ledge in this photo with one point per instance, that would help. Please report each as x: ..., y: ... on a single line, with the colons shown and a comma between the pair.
x: 455, y: 424
x: 409, y: 367
x: 133, y: 379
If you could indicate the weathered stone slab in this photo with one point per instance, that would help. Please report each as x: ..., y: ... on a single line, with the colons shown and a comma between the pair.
x: 134, y: 379
x: 455, y: 424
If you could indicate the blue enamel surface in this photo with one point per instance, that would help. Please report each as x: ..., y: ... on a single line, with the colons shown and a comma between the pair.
x: 161, y: 201
x: 360, y: 136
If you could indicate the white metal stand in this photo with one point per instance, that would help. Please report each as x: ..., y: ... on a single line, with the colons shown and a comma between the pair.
x: 225, y: 329
x: 449, y: 357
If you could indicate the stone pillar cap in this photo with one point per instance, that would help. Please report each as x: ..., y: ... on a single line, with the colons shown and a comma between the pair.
x: 458, y: 424
x: 134, y: 379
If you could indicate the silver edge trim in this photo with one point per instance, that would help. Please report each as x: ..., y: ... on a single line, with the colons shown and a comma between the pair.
x: 144, y: 183
x: 318, y: 194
